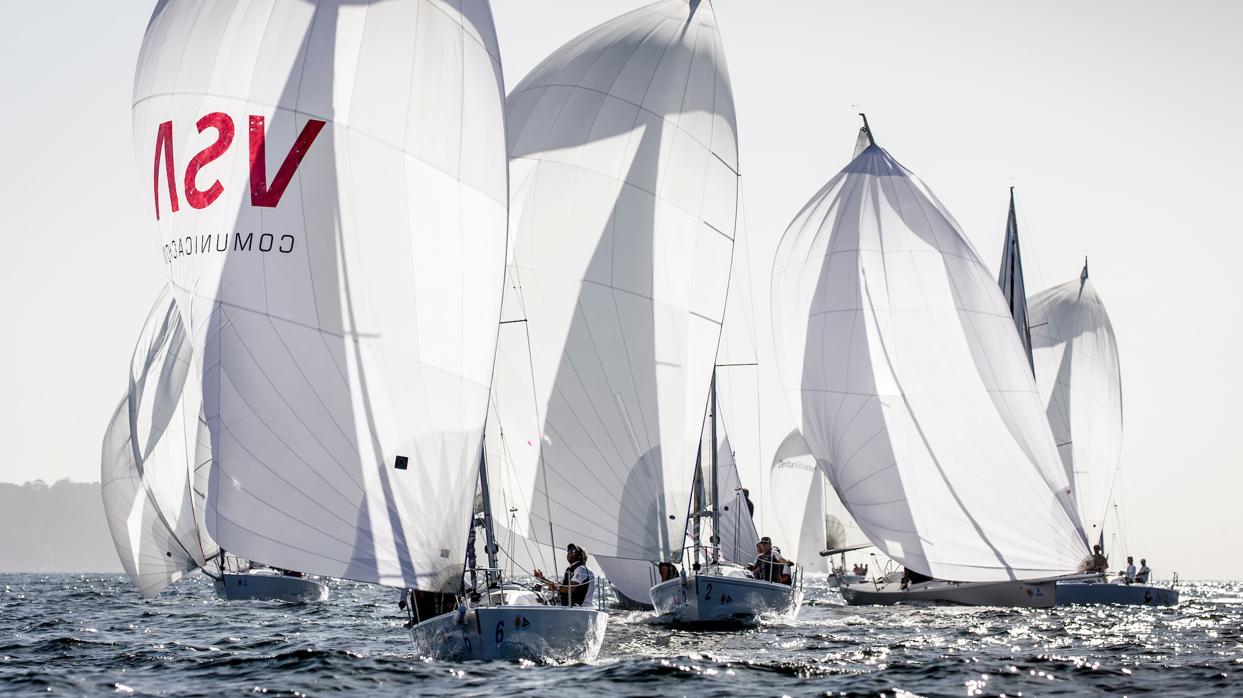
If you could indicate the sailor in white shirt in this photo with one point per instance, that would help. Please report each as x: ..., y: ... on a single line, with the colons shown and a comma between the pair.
x: 1129, y: 574
x: 578, y: 584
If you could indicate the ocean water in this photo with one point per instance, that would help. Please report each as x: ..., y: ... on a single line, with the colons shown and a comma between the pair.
x: 92, y: 634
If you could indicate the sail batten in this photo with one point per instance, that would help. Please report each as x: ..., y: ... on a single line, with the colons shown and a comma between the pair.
x: 899, y: 358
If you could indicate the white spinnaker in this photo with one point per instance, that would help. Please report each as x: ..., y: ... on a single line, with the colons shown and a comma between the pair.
x: 624, y: 171
x: 1080, y: 382
x: 901, y: 364
x: 1010, y: 279
x: 150, y: 451
x: 806, y: 508
x: 810, y: 517
x: 342, y: 294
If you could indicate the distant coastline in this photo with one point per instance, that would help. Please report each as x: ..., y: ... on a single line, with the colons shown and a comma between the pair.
x: 58, y: 528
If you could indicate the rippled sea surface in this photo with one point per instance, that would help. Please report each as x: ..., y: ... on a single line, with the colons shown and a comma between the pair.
x: 79, y: 634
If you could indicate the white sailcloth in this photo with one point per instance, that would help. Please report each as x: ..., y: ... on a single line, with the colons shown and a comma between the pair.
x: 810, y: 517
x: 331, y: 196
x: 624, y: 170
x: 1010, y: 279
x: 738, y: 385
x: 737, y: 523
x: 152, y: 456
x: 900, y: 361
x: 1080, y: 382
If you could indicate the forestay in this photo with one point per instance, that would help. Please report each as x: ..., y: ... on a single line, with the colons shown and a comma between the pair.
x: 738, y: 384
x: 1080, y: 382
x: 151, y: 457
x: 624, y: 188
x: 899, y: 358
x: 330, y: 191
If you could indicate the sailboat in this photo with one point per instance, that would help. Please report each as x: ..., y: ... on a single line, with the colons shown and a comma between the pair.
x: 812, y: 518
x: 155, y: 462
x: 331, y: 195
x: 624, y: 187
x: 898, y: 357
x: 150, y: 480
x: 719, y: 591
x: 1073, y: 353
x: 507, y: 620
x: 1077, y: 371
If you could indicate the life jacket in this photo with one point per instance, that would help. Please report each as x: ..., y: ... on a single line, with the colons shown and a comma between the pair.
x: 579, y: 594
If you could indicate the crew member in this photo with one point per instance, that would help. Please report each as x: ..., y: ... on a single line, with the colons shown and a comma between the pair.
x: 1141, y: 577
x: 1128, y: 575
x: 769, y: 565
x: 667, y: 571
x: 910, y: 576
x: 1098, y: 562
x: 578, y: 584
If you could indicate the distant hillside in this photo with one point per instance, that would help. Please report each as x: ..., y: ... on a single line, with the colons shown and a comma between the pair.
x: 57, y: 528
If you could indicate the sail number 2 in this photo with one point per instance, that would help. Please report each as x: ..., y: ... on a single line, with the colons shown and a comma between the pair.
x: 724, y: 598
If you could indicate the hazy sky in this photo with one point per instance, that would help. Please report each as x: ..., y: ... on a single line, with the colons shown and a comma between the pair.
x: 1118, y: 122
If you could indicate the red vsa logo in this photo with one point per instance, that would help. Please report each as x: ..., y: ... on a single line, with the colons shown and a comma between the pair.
x: 261, y: 192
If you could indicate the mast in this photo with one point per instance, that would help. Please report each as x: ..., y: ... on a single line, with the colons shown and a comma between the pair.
x: 867, y: 129
x: 713, y: 495
x: 489, y: 536
x: 697, y: 505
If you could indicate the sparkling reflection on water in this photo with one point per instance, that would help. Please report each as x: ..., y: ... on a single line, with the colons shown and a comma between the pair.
x: 93, y: 634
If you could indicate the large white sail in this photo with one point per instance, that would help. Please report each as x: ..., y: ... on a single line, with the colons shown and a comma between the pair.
x: 1010, y: 279
x: 330, y: 191
x: 624, y: 189
x: 150, y: 459
x: 1080, y: 382
x: 900, y: 361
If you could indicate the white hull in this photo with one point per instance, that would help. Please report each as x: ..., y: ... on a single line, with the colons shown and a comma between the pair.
x: 936, y: 592
x: 538, y: 633
x: 1086, y: 592
x: 270, y: 587
x: 710, y: 599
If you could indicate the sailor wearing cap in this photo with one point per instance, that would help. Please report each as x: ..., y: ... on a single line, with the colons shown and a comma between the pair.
x: 578, y: 584
x: 769, y: 563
